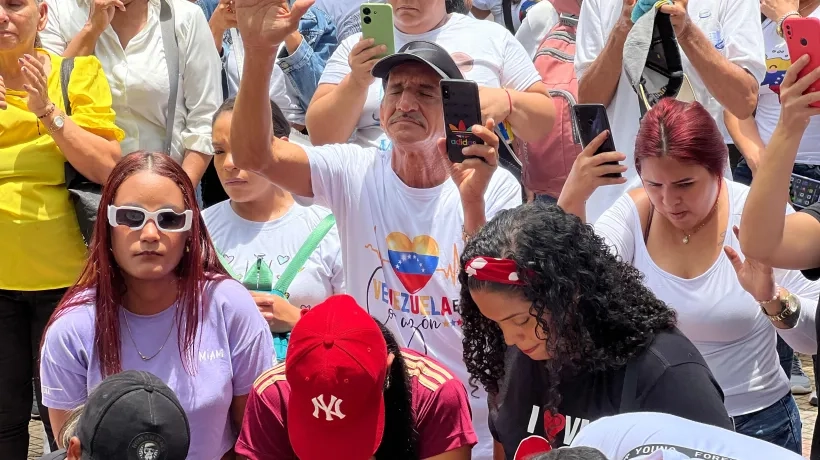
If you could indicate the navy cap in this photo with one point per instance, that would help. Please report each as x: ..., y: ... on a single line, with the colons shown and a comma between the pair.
x: 419, y: 51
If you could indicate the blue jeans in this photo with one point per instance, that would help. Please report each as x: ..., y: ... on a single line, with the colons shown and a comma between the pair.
x: 778, y: 424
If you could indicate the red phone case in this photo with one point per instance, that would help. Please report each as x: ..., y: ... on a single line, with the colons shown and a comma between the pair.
x: 803, y: 37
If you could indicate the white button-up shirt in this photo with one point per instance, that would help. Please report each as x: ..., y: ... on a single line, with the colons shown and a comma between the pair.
x: 138, y: 74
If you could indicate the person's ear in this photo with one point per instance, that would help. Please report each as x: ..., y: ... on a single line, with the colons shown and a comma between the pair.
x: 74, y: 450
x: 390, y: 358
x: 285, y: 138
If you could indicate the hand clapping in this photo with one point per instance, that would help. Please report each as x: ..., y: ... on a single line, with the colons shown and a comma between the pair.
x: 264, y: 24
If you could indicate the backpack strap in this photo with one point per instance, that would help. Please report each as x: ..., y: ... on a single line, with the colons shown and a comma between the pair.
x: 66, y: 68
x: 506, y: 6
x: 298, y: 261
x: 227, y: 266
x: 171, y: 47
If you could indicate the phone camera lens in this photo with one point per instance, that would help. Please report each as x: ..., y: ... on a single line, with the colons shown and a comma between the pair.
x: 366, y: 11
x: 445, y: 93
x: 804, y: 42
x: 367, y: 20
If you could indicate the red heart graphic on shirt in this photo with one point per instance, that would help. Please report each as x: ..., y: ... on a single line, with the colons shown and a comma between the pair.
x: 553, y: 424
x: 530, y: 447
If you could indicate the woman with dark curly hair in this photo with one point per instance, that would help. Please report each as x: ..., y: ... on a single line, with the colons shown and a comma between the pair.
x: 560, y: 333
x: 680, y: 230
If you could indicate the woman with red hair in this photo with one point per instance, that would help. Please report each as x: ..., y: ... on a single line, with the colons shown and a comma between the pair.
x: 154, y: 297
x: 681, y: 231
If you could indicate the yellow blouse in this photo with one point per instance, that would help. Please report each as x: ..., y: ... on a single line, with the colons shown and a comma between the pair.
x: 40, y: 242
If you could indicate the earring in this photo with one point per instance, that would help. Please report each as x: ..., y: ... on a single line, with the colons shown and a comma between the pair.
x: 187, y: 247
x: 387, y: 382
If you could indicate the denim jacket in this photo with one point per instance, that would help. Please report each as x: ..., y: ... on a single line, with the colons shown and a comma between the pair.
x: 304, y: 67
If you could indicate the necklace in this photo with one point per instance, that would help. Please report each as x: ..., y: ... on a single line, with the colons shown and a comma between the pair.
x: 686, y: 236
x: 146, y: 358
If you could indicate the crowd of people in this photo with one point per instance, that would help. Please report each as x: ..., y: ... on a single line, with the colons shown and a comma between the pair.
x: 231, y: 230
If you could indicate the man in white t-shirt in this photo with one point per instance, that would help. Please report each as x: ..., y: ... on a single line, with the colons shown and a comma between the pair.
x: 403, y: 212
x: 721, y: 49
x: 654, y: 436
x: 346, y: 104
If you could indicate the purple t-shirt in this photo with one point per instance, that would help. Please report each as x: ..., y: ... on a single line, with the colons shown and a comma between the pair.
x: 232, y: 349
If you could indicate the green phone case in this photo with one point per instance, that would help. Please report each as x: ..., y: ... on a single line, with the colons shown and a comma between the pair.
x: 377, y: 23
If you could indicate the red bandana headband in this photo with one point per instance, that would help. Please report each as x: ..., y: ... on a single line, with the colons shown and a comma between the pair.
x: 504, y: 271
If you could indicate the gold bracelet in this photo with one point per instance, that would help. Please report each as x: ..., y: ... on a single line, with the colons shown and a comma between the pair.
x: 779, y: 28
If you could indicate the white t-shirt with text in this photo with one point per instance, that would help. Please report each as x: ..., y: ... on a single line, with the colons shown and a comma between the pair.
x: 721, y: 319
x: 768, y: 103
x: 401, y: 249
x: 733, y: 27
x: 259, y: 252
x: 485, y: 52
x: 655, y: 436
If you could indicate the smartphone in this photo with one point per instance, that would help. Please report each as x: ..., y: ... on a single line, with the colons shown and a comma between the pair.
x: 377, y: 23
x: 591, y: 120
x: 803, y: 37
x: 803, y: 191
x: 462, y: 110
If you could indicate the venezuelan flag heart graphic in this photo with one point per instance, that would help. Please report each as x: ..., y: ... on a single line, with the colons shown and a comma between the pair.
x: 413, y: 262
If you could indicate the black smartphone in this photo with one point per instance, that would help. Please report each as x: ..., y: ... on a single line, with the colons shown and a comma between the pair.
x: 803, y: 191
x: 591, y: 120
x: 462, y: 110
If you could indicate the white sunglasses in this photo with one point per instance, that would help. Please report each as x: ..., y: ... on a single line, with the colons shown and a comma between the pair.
x: 166, y: 220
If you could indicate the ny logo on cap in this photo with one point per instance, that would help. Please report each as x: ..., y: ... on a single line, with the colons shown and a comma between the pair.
x: 331, y: 409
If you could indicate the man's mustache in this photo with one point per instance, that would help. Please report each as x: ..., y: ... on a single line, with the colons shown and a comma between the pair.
x: 412, y: 116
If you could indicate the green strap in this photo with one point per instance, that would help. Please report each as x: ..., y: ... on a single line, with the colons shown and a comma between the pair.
x: 298, y: 261
x: 227, y: 266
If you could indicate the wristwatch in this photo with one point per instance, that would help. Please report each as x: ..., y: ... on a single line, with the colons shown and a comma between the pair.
x: 789, y: 304
x: 57, y: 123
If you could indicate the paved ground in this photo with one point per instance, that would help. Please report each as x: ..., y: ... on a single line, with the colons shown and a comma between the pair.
x: 807, y: 413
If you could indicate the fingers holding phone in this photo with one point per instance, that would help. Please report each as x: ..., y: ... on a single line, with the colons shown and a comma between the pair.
x: 363, y: 56
x: 480, y: 160
x: 377, y: 41
x: 592, y: 170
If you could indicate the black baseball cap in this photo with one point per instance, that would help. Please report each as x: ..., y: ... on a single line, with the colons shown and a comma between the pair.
x: 132, y: 415
x: 419, y: 51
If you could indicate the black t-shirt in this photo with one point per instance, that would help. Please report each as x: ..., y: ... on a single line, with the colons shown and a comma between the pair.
x: 670, y: 376
x: 814, y: 274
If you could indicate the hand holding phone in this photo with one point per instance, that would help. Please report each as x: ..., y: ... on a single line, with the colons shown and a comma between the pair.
x: 592, y: 169
x: 592, y: 120
x: 803, y: 38
x: 462, y: 110
x: 377, y: 23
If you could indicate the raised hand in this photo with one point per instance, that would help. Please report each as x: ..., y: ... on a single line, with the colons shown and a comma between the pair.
x: 37, y: 84
x: 679, y: 16
x: 3, y: 104
x: 264, y: 24
x: 589, y: 171
x: 224, y: 17
x: 775, y: 9
x: 363, y: 56
x: 473, y: 175
x: 101, y: 14
x: 795, y: 107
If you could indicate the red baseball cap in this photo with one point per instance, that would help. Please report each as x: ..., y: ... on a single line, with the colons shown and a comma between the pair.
x: 336, y: 367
